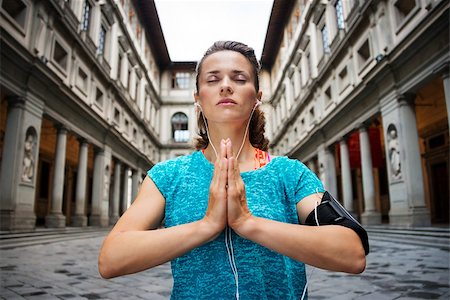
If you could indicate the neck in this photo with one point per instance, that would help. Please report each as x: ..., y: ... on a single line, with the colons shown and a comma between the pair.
x: 234, y: 132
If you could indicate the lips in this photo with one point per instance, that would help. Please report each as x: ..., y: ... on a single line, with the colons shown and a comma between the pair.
x: 226, y: 101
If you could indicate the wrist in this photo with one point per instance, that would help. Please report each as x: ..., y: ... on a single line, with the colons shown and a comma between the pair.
x: 210, y: 229
x: 245, y: 227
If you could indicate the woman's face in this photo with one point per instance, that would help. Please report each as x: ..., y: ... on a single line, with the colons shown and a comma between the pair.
x: 226, y: 87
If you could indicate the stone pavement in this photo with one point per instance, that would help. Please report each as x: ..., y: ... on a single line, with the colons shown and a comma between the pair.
x: 68, y: 270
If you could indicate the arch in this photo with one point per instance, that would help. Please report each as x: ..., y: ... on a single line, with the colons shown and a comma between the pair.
x: 180, y: 132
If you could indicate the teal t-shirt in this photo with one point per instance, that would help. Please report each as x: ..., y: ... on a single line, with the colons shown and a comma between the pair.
x: 205, y: 272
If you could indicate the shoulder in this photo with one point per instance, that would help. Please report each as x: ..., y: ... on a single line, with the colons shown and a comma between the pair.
x: 174, y: 164
x: 179, y: 160
x: 291, y: 169
x: 286, y: 162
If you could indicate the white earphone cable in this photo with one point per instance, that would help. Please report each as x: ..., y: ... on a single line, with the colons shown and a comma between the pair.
x: 258, y: 102
x: 228, y: 234
x: 229, y: 246
x: 313, y: 268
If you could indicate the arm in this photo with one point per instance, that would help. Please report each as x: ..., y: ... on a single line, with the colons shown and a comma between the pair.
x: 330, y: 247
x: 135, y: 244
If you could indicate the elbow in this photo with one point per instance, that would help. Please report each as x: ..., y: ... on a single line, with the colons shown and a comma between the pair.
x: 105, y: 266
x: 358, y: 267
x: 358, y: 263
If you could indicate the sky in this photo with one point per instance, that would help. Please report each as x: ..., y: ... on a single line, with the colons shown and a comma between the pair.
x: 190, y: 27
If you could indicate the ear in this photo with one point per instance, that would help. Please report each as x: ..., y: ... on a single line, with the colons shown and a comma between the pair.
x: 259, y: 95
x: 196, y: 96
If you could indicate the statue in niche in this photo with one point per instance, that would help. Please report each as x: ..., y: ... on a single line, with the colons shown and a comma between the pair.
x: 394, y: 152
x: 28, y: 157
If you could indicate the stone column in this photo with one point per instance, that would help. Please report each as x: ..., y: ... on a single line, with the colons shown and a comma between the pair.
x: 327, y: 170
x: 285, y: 105
x: 311, y: 166
x: 100, y: 188
x: 158, y: 121
x: 56, y: 218
x: 123, y: 73
x: 19, y: 163
x: 297, y: 82
x: 347, y: 189
x: 125, y: 196
x: 406, y: 190
x: 446, y: 82
x: 80, y: 219
x: 99, y: 159
x: 289, y: 94
x: 116, y: 197
x: 135, y: 184
x: 370, y: 215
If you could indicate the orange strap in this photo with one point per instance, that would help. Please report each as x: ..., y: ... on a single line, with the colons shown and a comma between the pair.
x: 261, y: 158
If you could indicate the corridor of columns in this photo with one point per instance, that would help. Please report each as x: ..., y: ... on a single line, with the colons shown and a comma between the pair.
x: 64, y: 171
x: 394, y: 171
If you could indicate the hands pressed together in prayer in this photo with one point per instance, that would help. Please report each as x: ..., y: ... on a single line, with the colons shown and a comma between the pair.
x: 227, y: 204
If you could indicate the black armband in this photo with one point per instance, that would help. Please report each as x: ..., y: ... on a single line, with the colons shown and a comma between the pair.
x: 331, y: 212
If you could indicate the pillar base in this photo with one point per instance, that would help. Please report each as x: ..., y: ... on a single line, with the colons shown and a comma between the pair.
x: 113, y: 220
x: 96, y: 220
x: 55, y: 220
x: 371, y: 218
x: 79, y: 221
x: 419, y: 217
x: 17, y: 220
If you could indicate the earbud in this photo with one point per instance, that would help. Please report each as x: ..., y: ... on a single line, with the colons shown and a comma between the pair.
x: 197, y: 104
x: 258, y: 103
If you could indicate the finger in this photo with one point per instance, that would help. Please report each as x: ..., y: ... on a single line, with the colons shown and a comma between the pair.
x: 223, y: 150
x: 229, y: 149
x: 237, y: 175
x: 217, y: 166
x: 235, y: 168
x: 222, y: 180
x: 231, y: 173
x: 216, y: 172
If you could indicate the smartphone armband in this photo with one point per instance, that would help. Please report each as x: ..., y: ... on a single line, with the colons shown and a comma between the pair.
x: 331, y: 212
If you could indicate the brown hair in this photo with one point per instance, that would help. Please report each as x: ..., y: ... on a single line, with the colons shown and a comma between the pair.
x: 258, y: 121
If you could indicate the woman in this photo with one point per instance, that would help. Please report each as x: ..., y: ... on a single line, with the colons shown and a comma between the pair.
x: 232, y: 227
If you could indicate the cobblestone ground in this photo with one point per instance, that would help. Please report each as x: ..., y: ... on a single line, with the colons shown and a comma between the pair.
x: 68, y: 270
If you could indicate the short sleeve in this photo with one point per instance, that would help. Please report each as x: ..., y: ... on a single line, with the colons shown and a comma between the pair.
x: 162, y: 175
x: 306, y: 183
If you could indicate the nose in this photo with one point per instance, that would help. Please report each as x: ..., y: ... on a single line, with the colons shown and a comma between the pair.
x: 225, y: 88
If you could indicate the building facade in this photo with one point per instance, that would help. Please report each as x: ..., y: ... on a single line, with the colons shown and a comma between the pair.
x: 90, y: 100
x: 360, y: 92
x: 80, y: 109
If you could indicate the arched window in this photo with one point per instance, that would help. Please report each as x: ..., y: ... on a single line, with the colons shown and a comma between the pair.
x: 180, y: 132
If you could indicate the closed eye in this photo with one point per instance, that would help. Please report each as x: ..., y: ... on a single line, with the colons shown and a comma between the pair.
x: 240, y: 78
x: 211, y: 79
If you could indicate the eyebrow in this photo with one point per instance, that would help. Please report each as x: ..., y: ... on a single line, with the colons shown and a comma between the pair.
x: 213, y: 72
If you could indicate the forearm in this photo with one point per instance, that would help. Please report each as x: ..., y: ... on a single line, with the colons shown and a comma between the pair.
x: 133, y: 251
x: 330, y: 247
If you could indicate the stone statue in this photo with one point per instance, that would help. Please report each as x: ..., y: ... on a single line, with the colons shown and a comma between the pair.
x: 28, y: 158
x: 394, y: 152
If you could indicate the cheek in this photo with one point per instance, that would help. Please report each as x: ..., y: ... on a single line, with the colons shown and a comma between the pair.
x: 205, y: 93
x: 251, y: 94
